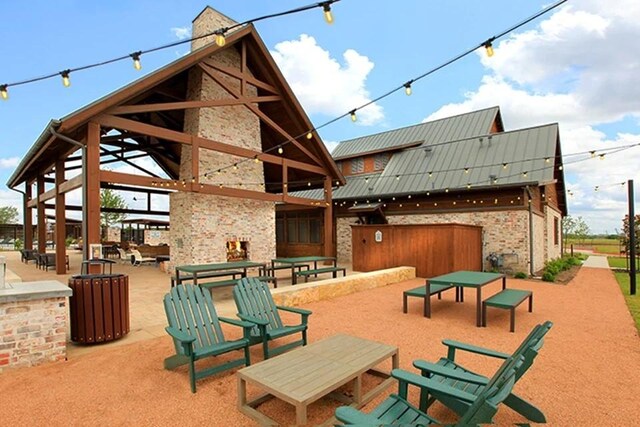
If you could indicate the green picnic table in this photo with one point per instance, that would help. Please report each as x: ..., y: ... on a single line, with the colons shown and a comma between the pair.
x: 196, y: 269
x: 302, y: 260
x: 464, y: 279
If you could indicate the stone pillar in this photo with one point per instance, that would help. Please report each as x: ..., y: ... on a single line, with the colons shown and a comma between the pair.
x: 201, y: 224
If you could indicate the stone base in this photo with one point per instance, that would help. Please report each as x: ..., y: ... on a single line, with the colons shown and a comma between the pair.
x: 326, y: 289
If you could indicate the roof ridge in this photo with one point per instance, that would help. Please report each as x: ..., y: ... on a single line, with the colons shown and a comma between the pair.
x: 419, y: 124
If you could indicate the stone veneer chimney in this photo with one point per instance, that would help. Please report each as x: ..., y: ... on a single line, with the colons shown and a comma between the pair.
x: 201, y: 224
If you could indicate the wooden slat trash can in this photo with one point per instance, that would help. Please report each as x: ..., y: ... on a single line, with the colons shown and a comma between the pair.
x: 99, y: 307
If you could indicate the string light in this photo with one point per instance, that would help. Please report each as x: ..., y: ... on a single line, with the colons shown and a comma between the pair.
x: 328, y: 16
x: 309, y: 135
x: 489, y: 47
x: 219, y: 37
x: 407, y: 87
x: 601, y: 156
x: 466, y: 170
x: 280, y: 150
x: 136, y: 60
x: 397, y: 177
x: 4, y: 93
x: 235, y: 166
x: 257, y: 160
x: 547, y: 160
x: 65, y: 78
x: 524, y: 174
x: 504, y: 165
x: 353, y: 115
x: 593, y: 153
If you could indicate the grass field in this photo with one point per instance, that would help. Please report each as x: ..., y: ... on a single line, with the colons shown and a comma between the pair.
x: 602, y: 246
x: 633, y: 301
x: 620, y: 262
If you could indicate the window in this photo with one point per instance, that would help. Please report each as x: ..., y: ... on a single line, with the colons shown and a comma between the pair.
x: 294, y: 228
x: 556, y: 231
x: 357, y: 165
x: 380, y: 161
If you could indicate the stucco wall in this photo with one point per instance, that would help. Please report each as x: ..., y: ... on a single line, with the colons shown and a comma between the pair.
x: 156, y: 237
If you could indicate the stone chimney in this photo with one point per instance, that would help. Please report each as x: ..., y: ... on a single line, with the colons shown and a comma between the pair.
x: 202, y: 224
x: 207, y: 22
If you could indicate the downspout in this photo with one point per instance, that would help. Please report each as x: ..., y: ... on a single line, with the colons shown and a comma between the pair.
x: 85, y: 227
x: 531, y: 270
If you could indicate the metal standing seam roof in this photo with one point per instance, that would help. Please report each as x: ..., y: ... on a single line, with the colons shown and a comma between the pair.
x: 445, y: 129
x: 482, y: 155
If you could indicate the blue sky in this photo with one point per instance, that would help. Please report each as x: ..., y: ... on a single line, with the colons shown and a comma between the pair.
x: 577, y: 66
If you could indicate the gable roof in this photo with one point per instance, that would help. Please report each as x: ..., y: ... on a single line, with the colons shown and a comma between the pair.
x: 41, y: 156
x: 482, y: 155
x: 445, y: 129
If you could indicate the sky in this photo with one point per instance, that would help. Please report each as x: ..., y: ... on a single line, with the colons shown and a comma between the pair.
x: 578, y: 66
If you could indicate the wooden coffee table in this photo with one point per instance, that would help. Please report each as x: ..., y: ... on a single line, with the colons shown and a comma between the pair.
x: 302, y: 376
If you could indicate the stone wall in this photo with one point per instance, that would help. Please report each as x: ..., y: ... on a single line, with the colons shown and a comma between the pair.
x: 539, y: 250
x: 156, y: 237
x: 201, y: 224
x: 343, y: 238
x: 33, y: 332
x: 113, y: 234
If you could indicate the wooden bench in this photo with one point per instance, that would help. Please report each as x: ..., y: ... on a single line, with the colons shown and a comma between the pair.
x: 189, y: 278
x: 233, y: 282
x: 421, y: 292
x: 317, y: 271
x: 507, y: 299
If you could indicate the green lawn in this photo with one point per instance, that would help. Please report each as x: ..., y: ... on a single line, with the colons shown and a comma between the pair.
x: 603, y: 246
x: 633, y: 301
x: 619, y: 262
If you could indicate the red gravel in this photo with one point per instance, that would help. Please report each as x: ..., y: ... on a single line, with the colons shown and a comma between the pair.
x: 588, y: 371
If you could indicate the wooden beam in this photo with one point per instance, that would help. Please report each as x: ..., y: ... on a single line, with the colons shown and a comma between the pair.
x: 243, y: 67
x: 195, y: 161
x: 285, y: 180
x: 92, y: 191
x: 328, y: 218
x: 42, y: 230
x: 70, y: 184
x: 75, y: 208
x: 61, y: 226
x: 47, y: 195
x: 28, y: 217
x: 242, y: 76
x: 123, y: 159
x: 134, y: 189
x: 262, y: 116
x: 167, y: 106
x: 131, y: 125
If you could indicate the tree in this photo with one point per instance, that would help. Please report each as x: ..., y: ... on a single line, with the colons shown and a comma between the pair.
x: 111, y: 199
x: 8, y: 215
x: 573, y: 227
x: 625, y: 238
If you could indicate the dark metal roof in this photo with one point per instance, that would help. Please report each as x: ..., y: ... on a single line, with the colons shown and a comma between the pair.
x: 408, y: 171
x: 446, y: 129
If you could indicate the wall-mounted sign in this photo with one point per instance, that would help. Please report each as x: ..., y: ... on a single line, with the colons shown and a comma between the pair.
x: 154, y: 234
x: 378, y: 236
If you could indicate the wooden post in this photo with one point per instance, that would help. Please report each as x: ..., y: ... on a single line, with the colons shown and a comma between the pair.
x: 28, y: 218
x: 42, y: 230
x: 61, y: 220
x: 92, y: 191
x: 328, y: 218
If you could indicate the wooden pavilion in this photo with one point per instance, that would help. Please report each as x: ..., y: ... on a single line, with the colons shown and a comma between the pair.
x: 147, y: 119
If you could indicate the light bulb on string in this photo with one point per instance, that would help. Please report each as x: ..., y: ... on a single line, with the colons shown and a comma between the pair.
x: 601, y: 156
x: 489, y: 47
x: 328, y: 16
x: 560, y: 167
x: 280, y: 150
x: 407, y: 88
x: 136, y: 60
x: 466, y: 170
x: 309, y: 135
x: 65, y: 78
x: 353, y: 115
x: 256, y: 159
x: 593, y: 153
x: 547, y: 160
x: 4, y: 93
x: 219, y: 38
x: 504, y: 165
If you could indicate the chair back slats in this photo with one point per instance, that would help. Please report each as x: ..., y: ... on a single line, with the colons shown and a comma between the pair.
x: 253, y: 298
x: 190, y: 310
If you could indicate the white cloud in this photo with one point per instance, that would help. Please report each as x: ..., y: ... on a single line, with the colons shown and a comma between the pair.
x: 322, y: 84
x: 331, y: 145
x: 579, y: 68
x: 9, y: 162
x: 181, y: 33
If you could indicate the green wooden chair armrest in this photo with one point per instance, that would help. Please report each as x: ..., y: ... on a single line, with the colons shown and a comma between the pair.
x: 352, y: 416
x: 236, y: 322
x: 405, y: 377
x: 432, y: 368
x: 294, y: 310
x: 254, y: 320
x: 179, y: 335
x: 457, y: 345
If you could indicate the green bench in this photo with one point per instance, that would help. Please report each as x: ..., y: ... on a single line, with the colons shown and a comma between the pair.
x: 421, y: 292
x: 507, y: 299
x: 185, y: 277
x: 317, y: 271
x: 233, y: 282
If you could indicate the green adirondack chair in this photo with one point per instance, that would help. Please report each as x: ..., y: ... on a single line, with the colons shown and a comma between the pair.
x: 447, y: 371
x: 195, y: 328
x: 396, y: 410
x: 255, y: 304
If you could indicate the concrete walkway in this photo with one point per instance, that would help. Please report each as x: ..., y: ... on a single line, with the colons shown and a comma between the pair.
x: 596, y: 261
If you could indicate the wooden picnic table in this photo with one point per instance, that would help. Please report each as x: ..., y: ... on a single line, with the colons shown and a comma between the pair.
x: 296, y: 262
x: 302, y: 376
x: 194, y: 270
x: 464, y: 279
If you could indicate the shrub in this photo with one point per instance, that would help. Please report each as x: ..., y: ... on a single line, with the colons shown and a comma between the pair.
x: 548, y: 277
x: 17, y: 244
x: 520, y: 275
x: 69, y: 241
x: 573, y: 261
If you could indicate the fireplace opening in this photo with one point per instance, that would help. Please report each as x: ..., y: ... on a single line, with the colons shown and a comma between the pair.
x: 237, y: 250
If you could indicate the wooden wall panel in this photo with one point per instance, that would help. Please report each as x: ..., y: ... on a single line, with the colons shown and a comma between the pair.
x: 284, y: 250
x: 433, y: 249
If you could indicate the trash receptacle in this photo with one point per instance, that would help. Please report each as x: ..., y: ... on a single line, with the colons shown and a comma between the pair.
x: 99, y: 307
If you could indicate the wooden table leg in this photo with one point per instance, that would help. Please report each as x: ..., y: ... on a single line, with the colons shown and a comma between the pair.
x: 357, y: 390
x: 479, y: 306
x: 301, y: 414
x: 242, y: 392
x: 427, y: 301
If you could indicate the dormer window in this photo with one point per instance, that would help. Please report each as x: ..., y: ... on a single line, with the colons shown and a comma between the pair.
x: 380, y: 161
x: 357, y: 165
